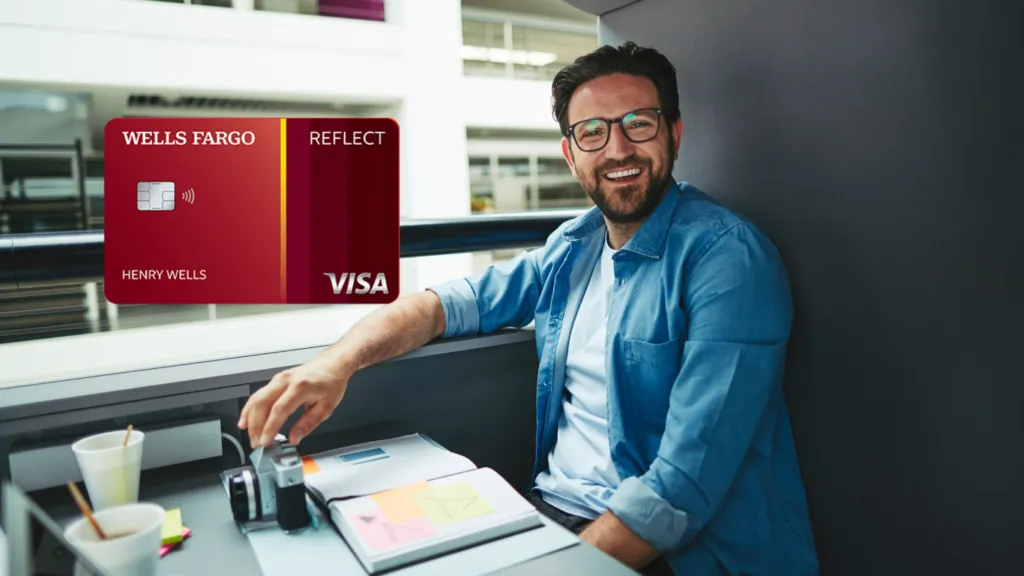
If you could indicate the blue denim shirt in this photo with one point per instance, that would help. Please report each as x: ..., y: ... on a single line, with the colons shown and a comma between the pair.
x: 699, y: 318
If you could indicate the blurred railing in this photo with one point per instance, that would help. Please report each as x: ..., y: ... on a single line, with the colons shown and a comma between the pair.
x: 29, y: 261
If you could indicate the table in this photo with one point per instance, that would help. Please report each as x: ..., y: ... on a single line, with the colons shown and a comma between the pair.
x: 217, y: 546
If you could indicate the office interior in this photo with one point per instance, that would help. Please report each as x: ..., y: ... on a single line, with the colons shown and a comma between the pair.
x: 874, y: 142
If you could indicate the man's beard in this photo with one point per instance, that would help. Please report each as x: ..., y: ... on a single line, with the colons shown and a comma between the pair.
x: 640, y: 201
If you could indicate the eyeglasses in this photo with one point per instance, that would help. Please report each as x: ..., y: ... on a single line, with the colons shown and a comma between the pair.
x: 638, y: 126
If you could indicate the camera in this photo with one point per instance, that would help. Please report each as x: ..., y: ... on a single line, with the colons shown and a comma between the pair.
x: 272, y: 488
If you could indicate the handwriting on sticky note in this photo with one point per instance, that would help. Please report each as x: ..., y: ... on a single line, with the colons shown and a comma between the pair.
x: 452, y: 503
x: 380, y: 534
x: 309, y: 466
x: 398, y: 504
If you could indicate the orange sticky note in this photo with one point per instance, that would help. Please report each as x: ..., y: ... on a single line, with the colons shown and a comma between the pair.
x: 309, y: 466
x: 398, y: 504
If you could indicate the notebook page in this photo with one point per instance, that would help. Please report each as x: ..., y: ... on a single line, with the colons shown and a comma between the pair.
x: 423, y: 515
x: 381, y: 465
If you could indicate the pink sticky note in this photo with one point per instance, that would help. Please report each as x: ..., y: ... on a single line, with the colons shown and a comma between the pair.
x: 164, y: 549
x: 379, y: 534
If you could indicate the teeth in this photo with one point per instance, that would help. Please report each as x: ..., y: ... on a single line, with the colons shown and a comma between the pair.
x: 623, y: 173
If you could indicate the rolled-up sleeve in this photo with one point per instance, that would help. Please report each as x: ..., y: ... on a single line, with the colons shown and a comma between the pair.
x: 461, y: 314
x: 738, y: 302
x: 503, y: 296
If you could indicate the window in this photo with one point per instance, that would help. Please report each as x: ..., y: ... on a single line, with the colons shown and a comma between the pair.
x: 553, y: 167
x: 565, y: 195
x: 516, y: 48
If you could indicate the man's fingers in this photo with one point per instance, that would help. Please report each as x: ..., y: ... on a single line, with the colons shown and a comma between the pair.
x: 285, y: 406
x: 313, y: 417
x: 258, y: 407
x: 243, y: 419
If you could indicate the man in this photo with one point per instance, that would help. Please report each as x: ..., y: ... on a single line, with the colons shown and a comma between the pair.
x: 662, y: 320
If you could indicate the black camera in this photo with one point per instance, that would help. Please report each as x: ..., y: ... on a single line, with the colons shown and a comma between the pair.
x: 272, y: 488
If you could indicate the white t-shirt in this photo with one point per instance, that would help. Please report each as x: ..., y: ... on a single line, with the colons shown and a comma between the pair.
x: 580, y: 476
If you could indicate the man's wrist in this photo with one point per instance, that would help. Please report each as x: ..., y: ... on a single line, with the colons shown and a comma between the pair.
x: 340, y: 361
x: 610, y: 535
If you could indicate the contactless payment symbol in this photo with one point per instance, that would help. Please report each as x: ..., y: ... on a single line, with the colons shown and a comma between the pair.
x: 156, y: 196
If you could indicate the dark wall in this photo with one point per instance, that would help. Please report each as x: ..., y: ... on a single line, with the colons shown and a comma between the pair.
x: 878, y: 143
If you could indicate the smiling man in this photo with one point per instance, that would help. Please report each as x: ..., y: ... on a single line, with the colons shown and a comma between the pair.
x: 661, y: 319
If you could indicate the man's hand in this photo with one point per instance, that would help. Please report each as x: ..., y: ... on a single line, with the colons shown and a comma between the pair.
x: 318, y: 386
x: 614, y: 538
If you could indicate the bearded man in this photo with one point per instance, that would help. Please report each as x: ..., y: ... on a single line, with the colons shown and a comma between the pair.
x: 661, y: 320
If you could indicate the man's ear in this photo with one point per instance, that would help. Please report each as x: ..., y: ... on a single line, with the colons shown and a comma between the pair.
x: 567, y: 153
x: 677, y: 136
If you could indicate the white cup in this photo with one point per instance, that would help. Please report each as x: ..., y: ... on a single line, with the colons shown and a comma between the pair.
x: 110, y: 469
x: 132, y: 547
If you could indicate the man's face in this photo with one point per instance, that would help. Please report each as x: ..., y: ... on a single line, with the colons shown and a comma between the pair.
x: 625, y: 179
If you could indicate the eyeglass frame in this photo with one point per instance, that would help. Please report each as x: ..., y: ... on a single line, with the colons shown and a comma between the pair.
x: 571, y: 131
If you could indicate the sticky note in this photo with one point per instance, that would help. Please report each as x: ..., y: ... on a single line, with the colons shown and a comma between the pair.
x: 379, y: 534
x: 165, y: 548
x: 452, y: 503
x: 398, y: 505
x: 172, y: 530
x: 309, y: 466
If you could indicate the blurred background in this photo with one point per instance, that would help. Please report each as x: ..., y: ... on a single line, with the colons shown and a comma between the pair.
x: 468, y: 82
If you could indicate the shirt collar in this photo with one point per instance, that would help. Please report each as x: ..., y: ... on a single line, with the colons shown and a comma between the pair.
x: 649, y: 239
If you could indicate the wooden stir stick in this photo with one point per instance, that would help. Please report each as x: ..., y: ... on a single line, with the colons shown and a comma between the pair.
x: 84, y: 507
x: 127, y: 436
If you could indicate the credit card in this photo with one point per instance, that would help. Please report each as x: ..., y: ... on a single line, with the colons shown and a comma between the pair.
x: 251, y: 210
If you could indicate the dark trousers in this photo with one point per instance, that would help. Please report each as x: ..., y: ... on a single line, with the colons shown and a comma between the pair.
x: 576, y: 524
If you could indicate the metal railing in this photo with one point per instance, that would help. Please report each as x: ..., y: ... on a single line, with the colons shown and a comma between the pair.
x: 54, y: 259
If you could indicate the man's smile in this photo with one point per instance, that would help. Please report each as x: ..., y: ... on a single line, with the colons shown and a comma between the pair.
x: 626, y: 175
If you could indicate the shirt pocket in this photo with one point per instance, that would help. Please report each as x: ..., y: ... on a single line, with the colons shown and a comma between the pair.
x: 650, y: 370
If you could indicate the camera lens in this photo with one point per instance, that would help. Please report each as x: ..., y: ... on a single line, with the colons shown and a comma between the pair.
x: 244, y: 495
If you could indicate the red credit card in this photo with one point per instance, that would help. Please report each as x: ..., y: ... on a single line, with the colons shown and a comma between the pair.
x: 251, y: 210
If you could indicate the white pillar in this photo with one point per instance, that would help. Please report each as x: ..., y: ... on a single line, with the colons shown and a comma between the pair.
x: 435, y: 166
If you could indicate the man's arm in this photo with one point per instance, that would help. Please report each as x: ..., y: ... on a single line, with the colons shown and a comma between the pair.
x: 406, y: 324
x: 740, y: 313
x: 610, y: 535
x: 392, y: 330
x: 504, y: 295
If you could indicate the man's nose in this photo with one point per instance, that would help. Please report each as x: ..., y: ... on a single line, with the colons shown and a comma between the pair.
x: 618, y: 146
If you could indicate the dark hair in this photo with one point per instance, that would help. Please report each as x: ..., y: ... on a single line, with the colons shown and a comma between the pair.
x: 627, y: 59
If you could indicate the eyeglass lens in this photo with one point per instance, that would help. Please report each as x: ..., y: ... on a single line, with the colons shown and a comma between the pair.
x: 639, y: 126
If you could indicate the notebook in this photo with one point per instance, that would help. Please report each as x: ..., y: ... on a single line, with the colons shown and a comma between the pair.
x: 407, y: 499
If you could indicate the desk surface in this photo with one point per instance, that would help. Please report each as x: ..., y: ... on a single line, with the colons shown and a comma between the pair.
x: 218, y: 547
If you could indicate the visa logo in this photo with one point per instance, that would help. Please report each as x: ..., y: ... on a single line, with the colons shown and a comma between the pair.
x: 346, y: 281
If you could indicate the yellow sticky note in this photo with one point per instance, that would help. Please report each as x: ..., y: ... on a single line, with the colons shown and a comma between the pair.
x: 398, y: 504
x: 452, y: 503
x: 172, y: 532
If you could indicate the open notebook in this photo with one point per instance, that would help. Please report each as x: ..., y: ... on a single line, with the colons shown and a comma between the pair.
x: 407, y: 499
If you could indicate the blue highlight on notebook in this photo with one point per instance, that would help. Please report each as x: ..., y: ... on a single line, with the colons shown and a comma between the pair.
x: 364, y: 456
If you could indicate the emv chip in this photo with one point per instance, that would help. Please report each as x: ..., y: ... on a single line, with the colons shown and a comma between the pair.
x: 156, y: 196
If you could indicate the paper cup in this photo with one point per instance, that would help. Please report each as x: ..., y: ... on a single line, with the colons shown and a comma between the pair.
x: 110, y: 470
x: 132, y: 547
